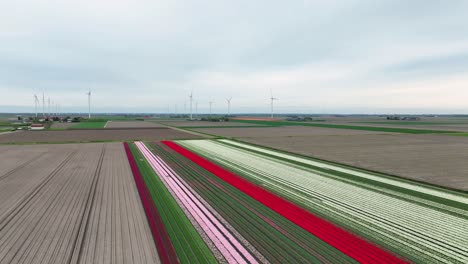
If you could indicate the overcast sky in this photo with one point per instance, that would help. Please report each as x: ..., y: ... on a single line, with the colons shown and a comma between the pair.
x: 316, y: 56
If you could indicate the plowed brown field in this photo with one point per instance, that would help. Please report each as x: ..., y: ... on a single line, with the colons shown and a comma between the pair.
x: 71, y: 204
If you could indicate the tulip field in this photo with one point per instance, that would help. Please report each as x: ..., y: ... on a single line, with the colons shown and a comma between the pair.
x: 223, y: 201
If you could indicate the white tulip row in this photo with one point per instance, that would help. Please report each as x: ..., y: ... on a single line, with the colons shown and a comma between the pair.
x: 415, y: 230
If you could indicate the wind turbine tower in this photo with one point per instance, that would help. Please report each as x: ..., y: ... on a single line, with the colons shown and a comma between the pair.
x: 191, y: 100
x: 43, y: 104
x: 36, y: 102
x: 229, y: 105
x: 211, y: 103
x: 272, y: 100
x: 89, y: 103
x: 48, y: 108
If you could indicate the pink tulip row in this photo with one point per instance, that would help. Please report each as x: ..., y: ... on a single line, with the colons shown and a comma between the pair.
x: 231, y: 249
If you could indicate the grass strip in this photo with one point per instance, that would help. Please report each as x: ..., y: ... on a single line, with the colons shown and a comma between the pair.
x: 356, y: 248
x: 188, y: 244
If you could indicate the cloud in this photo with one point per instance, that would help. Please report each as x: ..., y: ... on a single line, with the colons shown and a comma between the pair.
x: 315, y: 56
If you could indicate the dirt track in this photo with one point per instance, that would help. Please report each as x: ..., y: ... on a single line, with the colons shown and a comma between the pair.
x: 71, y: 203
x: 90, y: 135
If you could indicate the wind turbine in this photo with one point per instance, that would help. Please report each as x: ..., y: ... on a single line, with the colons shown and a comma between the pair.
x: 36, y: 102
x: 272, y: 100
x: 229, y: 105
x: 89, y: 103
x: 196, y: 109
x: 43, y: 104
x: 210, y: 102
x: 191, y: 99
x: 48, y: 115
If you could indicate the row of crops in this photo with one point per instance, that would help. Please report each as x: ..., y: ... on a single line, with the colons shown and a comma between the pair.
x: 230, y: 202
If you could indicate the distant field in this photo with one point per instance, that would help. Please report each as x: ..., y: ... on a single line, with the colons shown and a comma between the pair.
x: 411, y: 123
x: 131, y: 124
x: 353, y: 127
x: 3, y: 129
x: 206, y: 124
x: 284, y: 131
x: 58, y: 125
x: 84, y: 125
x: 437, y: 127
x: 90, y: 135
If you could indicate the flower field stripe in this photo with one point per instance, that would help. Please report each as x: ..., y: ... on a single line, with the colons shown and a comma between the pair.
x: 436, y: 192
x: 163, y: 243
x: 210, y: 221
x: 188, y: 244
x: 417, y: 229
x: 358, y: 249
x: 277, y: 238
x: 231, y: 249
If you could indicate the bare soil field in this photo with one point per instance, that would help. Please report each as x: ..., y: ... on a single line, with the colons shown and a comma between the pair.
x: 62, y: 125
x: 131, y: 124
x: 448, y: 126
x: 204, y: 123
x: 436, y: 159
x: 286, y: 131
x: 71, y: 203
x: 357, y: 119
x: 90, y: 135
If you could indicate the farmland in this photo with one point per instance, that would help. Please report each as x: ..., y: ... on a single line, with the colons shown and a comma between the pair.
x: 163, y: 195
x: 89, y: 125
x: 90, y: 135
x: 416, y: 157
x: 364, y: 127
x: 217, y: 222
x: 194, y: 124
x: 456, y: 127
x: 71, y: 203
x: 373, y: 206
x: 283, y: 131
x: 131, y: 124
x: 57, y: 125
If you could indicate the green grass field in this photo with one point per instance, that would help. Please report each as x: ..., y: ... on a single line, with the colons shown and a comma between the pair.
x: 5, y: 129
x: 88, y: 125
